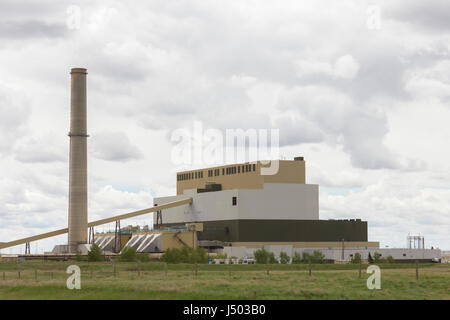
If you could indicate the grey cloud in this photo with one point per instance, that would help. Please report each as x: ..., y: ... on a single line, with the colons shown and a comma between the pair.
x: 15, y: 30
x: 295, y: 131
x: 433, y: 15
x: 112, y: 67
x: 25, y: 8
x: 359, y: 129
x: 14, y: 114
x: 114, y: 146
x: 45, y: 151
x: 217, y: 103
x: 381, y: 73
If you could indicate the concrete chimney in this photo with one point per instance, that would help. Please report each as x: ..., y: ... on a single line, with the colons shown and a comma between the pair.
x: 78, y: 206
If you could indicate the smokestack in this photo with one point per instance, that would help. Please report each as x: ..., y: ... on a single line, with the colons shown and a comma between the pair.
x: 78, y: 208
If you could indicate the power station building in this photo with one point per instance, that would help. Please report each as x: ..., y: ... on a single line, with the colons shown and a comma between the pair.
x: 233, y: 208
x: 238, y: 205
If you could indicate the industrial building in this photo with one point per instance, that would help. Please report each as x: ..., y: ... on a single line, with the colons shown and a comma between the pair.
x: 235, y: 209
x: 237, y: 205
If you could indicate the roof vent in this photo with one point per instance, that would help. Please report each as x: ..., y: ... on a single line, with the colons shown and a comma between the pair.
x: 299, y: 159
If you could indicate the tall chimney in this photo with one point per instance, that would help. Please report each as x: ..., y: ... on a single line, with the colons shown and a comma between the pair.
x: 78, y: 208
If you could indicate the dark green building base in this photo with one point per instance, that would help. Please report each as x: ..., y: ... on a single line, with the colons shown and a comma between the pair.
x: 283, y: 230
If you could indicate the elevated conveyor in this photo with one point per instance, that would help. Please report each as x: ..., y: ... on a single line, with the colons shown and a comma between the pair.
x: 178, y: 203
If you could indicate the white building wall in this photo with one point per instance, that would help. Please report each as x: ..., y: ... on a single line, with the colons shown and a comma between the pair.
x: 336, y: 254
x: 280, y: 201
x: 275, y: 201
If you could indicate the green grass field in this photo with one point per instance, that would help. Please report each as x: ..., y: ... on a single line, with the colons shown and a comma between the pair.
x: 150, y: 281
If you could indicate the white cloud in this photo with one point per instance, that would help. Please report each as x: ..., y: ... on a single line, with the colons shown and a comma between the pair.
x: 359, y: 104
x: 345, y: 67
x: 114, y: 146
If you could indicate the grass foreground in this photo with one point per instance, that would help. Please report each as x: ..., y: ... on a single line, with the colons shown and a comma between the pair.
x: 153, y: 280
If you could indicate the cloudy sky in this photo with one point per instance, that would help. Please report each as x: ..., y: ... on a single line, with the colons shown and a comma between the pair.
x: 361, y: 89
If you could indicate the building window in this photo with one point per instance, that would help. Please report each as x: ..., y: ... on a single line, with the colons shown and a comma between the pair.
x: 254, y: 167
x: 223, y: 171
x: 196, y: 175
x: 234, y: 201
x: 239, y: 169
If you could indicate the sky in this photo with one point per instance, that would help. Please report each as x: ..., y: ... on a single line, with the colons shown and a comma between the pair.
x: 361, y: 89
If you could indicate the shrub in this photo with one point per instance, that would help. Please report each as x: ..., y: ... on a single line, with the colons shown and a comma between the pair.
x: 296, y: 259
x: 390, y: 259
x: 284, y: 258
x: 261, y: 256
x: 272, y: 259
x: 95, y: 253
x: 198, y: 255
x: 128, y: 254
x: 79, y: 257
x: 306, y: 257
x: 143, y: 257
x: 377, y: 257
x: 172, y: 256
x: 316, y: 257
x: 356, y: 258
x: 185, y: 255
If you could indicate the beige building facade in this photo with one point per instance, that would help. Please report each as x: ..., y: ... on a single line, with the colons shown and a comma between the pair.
x: 249, y: 175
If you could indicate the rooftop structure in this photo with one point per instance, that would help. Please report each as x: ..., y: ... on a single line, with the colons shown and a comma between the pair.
x: 242, y: 176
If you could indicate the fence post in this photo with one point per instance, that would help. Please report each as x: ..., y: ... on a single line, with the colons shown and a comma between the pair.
x: 4, y: 275
x: 309, y: 267
x: 19, y: 274
x: 268, y: 270
x: 360, y: 262
x: 417, y: 270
